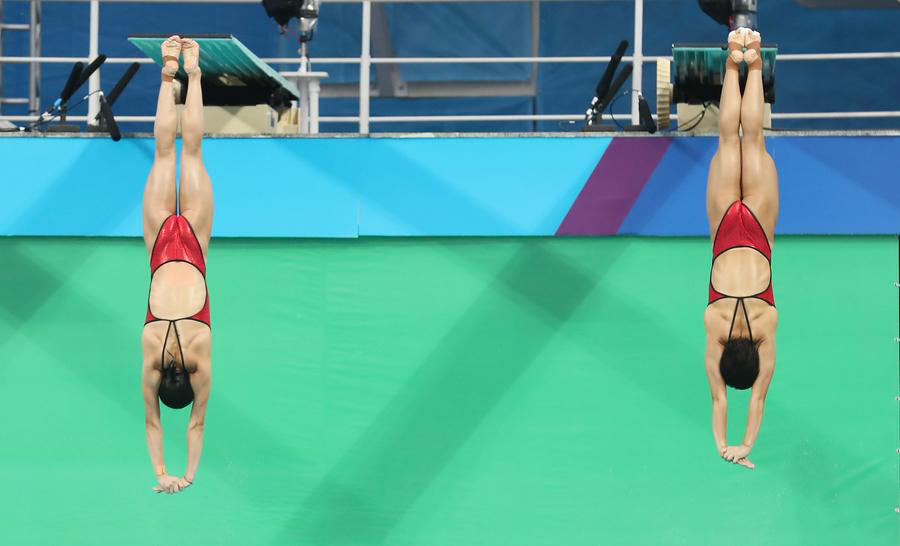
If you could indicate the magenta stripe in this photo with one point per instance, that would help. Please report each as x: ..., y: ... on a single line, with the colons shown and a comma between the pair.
x: 614, y: 186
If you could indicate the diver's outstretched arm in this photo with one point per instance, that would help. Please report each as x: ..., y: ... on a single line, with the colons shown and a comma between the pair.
x: 717, y: 392
x: 200, y: 382
x: 757, y: 403
x: 150, y: 380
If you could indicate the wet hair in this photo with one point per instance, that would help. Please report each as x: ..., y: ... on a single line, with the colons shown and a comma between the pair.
x: 175, y: 388
x: 739, y: 364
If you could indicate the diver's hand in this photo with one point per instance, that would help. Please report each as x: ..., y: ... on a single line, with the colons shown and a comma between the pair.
x: 735, y: 453
x: 170, y: 484
x: 746, y: 462
x: 738, y: 455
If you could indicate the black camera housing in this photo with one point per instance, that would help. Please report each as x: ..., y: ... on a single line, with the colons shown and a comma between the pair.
x: 731, y: 13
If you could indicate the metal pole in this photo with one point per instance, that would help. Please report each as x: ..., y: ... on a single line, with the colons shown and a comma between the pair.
x: 535, y: 51
x: 94, y: 50
x: 314, y: 106
x: 637, y: 74
x: 304, y: 60
x: 303, y: 122
x: 34, y: 69
x: 456, y: 60
x: 364, y: 67
x: 1, y: 55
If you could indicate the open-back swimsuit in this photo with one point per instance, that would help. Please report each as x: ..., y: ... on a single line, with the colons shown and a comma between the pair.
x: 740, y: 228
x: 176, y: 242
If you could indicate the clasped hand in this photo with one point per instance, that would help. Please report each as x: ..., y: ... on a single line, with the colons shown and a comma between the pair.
x: 171, y: 484
x: 737, y: 455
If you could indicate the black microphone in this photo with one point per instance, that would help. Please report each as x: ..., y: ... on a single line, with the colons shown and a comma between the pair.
x: 70, y: 86
x: 616, y: 85
x: 110, y: 120
x: 646, y: 117
x: 599, y: 102
x: 603, y: 84
x: 120, y: 85
x: 91, y: 68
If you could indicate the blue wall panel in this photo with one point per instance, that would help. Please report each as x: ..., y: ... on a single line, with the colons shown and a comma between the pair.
x: 283, y: 187
x: 827, y: 185
x: 473, y: 186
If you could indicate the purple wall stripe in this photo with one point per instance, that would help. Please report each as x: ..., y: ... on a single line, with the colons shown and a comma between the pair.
x: 614, y: 186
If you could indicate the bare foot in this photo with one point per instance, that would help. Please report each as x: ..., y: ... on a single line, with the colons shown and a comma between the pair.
x: 191, y: 52
x: 171, y: 49
x: 752, y: 43
x: 736, y: 46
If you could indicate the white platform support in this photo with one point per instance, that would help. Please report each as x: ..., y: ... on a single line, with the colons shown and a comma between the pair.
x: 309, y: 85
x: 637, y: 75
x: 364, y: 65
x: 93, y: 52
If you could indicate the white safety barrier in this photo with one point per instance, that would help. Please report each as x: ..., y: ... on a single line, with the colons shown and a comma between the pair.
x: 365, y: 61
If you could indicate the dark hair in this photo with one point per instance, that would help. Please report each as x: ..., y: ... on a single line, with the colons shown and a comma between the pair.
x: 175, y: 388
x: 739, y: 365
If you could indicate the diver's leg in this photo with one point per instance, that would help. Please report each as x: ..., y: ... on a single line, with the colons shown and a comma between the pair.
x: 196, y: 196
x: 160, y: 191
x: 724, y: 182
x: 759, y: 177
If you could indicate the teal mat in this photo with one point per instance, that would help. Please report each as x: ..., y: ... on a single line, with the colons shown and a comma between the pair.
x: 225, y: 57
x: 711, y: 60
x: 450, y: 392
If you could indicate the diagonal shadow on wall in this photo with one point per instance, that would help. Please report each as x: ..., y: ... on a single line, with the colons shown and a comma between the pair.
x: 422, y: 428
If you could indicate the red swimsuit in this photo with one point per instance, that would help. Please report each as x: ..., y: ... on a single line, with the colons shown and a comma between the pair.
x: 176, y: 242
x: 739, y: 228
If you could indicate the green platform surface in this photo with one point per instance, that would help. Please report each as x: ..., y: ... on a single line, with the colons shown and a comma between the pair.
x: 431, y: 392
x: 712, y: 58
x: 224, y: 56
x: 699, y: 71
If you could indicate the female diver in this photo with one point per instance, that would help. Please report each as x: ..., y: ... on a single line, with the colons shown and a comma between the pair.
x: 177, y: 224
x: 742, y: 206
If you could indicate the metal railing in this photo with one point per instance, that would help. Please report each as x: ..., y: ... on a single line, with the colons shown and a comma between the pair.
x: 365, y: 61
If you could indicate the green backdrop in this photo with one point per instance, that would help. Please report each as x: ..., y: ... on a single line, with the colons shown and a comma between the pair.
x: 455, y: 392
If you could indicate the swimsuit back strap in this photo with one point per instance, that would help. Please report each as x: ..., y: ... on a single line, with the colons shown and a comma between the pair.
x: 172, y: 326
x: 742, y: 303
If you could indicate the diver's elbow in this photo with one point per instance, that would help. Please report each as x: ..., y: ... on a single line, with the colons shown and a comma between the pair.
x: 196, y: 426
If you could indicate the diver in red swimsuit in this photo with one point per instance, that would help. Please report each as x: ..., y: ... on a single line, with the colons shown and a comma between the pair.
x: 742, y: 205
x: 177, y: 225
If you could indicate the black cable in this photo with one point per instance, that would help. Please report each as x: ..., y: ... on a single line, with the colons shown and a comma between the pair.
x: 701, y: 116
x: 58, y: 114
x: 622, y: 94
x: 611, y: 115
x: 698, y: 122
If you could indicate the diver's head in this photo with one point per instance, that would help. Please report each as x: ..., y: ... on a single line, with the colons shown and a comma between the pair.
x: 739, y: 364
x: 175, y: 388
